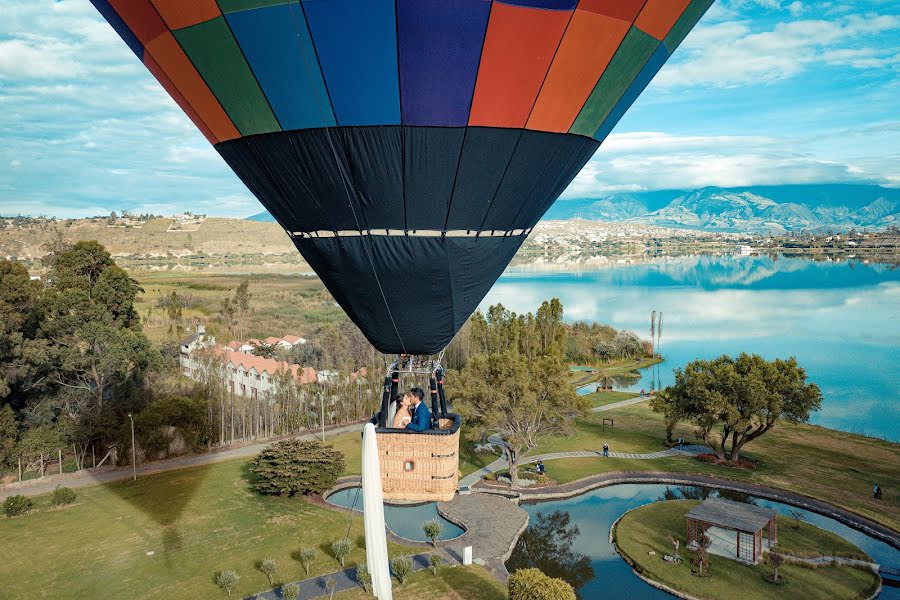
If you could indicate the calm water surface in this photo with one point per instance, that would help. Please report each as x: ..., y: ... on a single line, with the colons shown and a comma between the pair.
x: 841, y: 321
x: 405, y: 521
x: 595, y: 512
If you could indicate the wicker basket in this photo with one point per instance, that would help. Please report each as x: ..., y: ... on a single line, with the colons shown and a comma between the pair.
x: 420, y: 467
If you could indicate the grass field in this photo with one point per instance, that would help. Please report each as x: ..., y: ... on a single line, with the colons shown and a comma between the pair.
x: 646, y: 528
x: 608, y: 397
x: 834, y: 466
x: 195, y: 522
x: 281, y: 304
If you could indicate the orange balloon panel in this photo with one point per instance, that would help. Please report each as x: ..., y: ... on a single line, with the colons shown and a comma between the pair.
x: 624, y: 10
x: 179, y: 69
x: 184, y: 13
x: 141, y: 18
x: 518, y: 49
x: 177, y: 96
x: 590, y: 42
x: 659, y: 16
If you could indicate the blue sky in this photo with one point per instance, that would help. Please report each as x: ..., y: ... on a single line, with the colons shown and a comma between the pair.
x: 762, y: 92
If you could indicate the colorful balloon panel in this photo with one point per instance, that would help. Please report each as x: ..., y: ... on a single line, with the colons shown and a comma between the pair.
x: 406, y: 146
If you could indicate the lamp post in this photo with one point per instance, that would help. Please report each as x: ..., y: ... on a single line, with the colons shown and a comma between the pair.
x: 322, y: 413
x: 133, y: 458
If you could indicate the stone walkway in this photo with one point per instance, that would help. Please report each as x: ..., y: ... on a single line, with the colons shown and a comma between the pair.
x: 620, y: 404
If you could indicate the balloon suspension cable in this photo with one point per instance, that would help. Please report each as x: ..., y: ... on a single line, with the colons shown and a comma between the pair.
x: 344, y: 179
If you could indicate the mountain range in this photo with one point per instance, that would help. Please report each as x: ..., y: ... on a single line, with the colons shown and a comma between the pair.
x: 754, y: 209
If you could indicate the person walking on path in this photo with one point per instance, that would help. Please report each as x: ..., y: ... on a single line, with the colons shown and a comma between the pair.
x: 876, y: 492
x: 605, y: 450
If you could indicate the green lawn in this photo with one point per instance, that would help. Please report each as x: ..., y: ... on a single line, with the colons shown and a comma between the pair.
x: 645, y: 529
x: 451, y: 583
x: 195, y: 522
x: 608, y: 397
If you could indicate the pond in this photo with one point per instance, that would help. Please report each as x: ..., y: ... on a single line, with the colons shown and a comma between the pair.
x: 405, y: 521
x: 838, y: 319
x: 594, y: 513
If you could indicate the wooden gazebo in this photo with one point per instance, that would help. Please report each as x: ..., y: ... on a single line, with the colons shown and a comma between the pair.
x: 716, y: 517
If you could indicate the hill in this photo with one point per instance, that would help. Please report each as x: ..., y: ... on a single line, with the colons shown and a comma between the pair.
x: 754, y: 209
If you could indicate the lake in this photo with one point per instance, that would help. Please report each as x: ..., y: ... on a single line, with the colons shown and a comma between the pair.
x: 841, y: 320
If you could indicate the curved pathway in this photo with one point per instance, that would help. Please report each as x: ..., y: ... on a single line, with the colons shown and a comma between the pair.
x: 501, y: 463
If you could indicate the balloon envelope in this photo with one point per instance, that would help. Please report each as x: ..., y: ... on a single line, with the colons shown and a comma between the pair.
x: 406, y: 146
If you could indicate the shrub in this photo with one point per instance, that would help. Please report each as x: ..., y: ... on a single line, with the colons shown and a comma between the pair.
x: 307, y: 556
x: 62, y: 496
x: 363, y: 577
x: 532, y: 584
x: 269, y: 568
x: 401, y: 567
x: 297, y: 467
x: 433, y: 530
x: 227, y: 580
x: 16, y: 505
x: 340, y: 549
x: 435, y: 560
x: 290, y: 591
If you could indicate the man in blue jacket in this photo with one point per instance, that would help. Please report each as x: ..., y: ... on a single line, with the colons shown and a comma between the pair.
x: 421, y: 419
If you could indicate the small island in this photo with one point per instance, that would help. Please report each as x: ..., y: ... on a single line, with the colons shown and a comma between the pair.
x: 652, y: 540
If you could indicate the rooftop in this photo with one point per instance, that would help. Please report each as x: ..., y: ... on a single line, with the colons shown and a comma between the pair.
x: 732, y: 515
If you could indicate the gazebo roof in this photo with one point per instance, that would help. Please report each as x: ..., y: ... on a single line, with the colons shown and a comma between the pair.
x: 732, y: 515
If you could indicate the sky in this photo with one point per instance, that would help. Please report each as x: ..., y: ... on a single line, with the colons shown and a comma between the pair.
x: 762, y: 92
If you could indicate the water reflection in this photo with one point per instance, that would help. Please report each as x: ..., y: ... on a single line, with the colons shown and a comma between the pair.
x: 839, y: 322
x: 547, y: 545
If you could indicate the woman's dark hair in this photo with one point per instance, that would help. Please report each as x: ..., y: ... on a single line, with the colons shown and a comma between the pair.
x: 396, y: 399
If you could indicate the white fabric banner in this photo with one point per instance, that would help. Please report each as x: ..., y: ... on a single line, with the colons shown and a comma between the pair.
x: 373, y: 517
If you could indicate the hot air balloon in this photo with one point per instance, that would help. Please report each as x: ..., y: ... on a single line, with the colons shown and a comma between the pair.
x: 407, y: 147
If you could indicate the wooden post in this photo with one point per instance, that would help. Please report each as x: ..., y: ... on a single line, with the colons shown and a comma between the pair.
x: 59, y: 453
x: 738, y: 534
x: 94, y: 456
x: 20, y: 468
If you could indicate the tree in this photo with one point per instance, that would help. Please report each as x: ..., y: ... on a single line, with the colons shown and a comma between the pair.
x: 9, y: 432
x: 297, y: 467
x: 265, y: 350
x: 547, y: 546
x: 227, y: 580
x: 269, y: 568
x: 701, y: 556
x: 532, y: 584
x: 516, y: 386
x: 776, y: 559
x: 435, y: 561
x: 290, y: 591
x: 363, y: 577
x: 340, y: 549
x: 401, y: 566
x: 330, y: 585
x: 307, y: 556
x: 797, y: 515
x: 433, y: 530
x: 735, y: 401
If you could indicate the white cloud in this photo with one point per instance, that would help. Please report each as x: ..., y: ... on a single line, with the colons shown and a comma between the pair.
x: 736, y: 53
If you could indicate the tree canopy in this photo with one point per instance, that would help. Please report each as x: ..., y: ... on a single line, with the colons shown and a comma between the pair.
x: 515, y: 384
x: 733, y: 401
